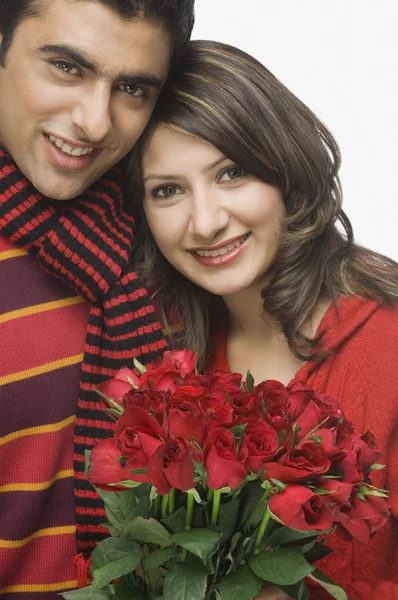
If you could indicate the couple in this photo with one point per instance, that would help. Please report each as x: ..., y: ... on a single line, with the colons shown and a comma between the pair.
x: 239, y: 236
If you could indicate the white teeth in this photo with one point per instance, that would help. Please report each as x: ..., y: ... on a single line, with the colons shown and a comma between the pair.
x: 66, y: 149
x: 224, y: 249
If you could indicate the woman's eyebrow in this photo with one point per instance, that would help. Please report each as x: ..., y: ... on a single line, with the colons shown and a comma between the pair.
x: 164, y: 177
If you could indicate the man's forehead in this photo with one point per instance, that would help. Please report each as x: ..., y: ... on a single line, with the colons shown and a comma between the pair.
x: 110, y: 45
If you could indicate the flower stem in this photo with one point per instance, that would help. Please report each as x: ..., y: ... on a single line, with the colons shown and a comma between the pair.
x: 172, y: 501
x: 188, y: 521
x: 261, y: 531
x: 209, y: 496
x: 158, y: 501
x: 216, y: 507
x: 165, y: 504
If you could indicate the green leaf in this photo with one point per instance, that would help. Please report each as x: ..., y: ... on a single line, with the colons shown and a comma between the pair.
x: 201, y: 542
x: 227, y: 518
x: 112, y: 549
x: 139, y: 366
x: 113, y: 558
x: 186, y: 581
x: 285, y: 535
x: 149, y: 530
x: 282, y: 567
x: 243, y: 584
x: 315, y: 551
x: 298, y: 591
x: 86, y: 593
x: 119, y: 506
x: 376, y: 467
x: 155, y: 559
x: 329, y: 585
x: 128, y: 483
x: 125, y: 589
x: 238, y: 430
x: 176, y: 521
x: 249, y: 381
x: 194, y: 492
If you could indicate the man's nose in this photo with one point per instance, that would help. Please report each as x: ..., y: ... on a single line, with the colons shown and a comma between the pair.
x: 209, y: 216
x: 92, y: 114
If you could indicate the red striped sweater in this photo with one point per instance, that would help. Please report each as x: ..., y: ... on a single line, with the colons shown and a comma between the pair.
x: 42, y: 332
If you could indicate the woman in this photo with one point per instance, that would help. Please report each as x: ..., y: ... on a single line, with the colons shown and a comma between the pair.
x: 242, y: 235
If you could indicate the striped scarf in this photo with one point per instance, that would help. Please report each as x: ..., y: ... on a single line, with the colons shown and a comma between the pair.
x: 87, y: 243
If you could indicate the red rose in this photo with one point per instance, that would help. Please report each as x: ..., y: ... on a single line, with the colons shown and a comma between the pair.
x: 147, y: 400
x: 326, y: 441
x: 350, y: 467
x: 162, y: 378
x: 120, y: 385
x: 340, y: 491
x: 183, y: 361
x: 261, y: 441
x: 306, y: 462
x: 105, y: 467
x: 220, y: 415
x: 226, y: 467
x: 218, y: 383
x: 299, y: 397
x: 137, y: 435
x: 270, y: 391
x: 367, y: 450
x: 171, y: 466
x: 364, y: 518
x: 321, y: 410
x: 300, y: 508
x: 187, y: 421
x: 275, y: 403
x: 245, y: 404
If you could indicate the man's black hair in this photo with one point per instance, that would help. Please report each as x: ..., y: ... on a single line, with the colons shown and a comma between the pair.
x: 176, y: 15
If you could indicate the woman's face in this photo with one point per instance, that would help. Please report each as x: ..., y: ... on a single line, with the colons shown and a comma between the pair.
x: 217, y: 225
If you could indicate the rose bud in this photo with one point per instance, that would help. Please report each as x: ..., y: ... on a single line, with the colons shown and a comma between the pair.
x: 368, y: 452
x: 300, y: 508
x: 365, y: 517
x: 261, y: 441
x: 105, y: 467
x: 219, y: 416
x: 226, y: 467
x: 119, y: 385
x: 299, y: 397
x: 181, y: 360
x: 171, y: 466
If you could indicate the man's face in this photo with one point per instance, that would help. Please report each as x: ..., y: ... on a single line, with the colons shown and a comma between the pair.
x: 77, y: 89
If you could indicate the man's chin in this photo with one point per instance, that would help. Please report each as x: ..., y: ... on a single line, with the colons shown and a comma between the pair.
x: 62, y: 191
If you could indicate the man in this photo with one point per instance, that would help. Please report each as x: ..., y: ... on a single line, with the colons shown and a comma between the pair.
x: 78, y: 82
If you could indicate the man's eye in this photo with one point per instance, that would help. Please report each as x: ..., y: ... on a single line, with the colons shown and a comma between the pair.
x: 133, y: 90
x: 166, y: 191
x: 66, y: 67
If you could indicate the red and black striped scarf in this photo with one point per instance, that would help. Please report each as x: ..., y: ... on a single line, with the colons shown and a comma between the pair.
x: 87, y: 243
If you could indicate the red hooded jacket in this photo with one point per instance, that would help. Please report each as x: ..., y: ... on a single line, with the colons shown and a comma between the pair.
x: 362, y: 374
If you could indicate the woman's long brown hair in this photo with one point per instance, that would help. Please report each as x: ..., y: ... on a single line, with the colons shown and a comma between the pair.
x: 229, y: 99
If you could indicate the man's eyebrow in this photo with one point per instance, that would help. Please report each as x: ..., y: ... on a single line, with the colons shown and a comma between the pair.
x: 205, y: 169
x: 70, y: 53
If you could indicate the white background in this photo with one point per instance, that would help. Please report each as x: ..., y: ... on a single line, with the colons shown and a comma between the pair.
x: 341, y: 58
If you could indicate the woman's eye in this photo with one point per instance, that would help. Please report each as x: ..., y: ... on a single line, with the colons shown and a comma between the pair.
x: 166, y: 191
x: 66, y: 67
x: 232, y: 173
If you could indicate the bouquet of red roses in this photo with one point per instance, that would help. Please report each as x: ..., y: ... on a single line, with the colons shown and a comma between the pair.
x: 213, y: 485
